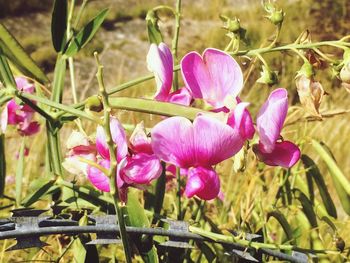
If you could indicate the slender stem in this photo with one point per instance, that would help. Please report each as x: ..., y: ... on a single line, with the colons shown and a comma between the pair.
x: 113, y: 160
x: 70, y: 59
x: 59, y: 106
x: 176, y: 41
x: 4, y: 99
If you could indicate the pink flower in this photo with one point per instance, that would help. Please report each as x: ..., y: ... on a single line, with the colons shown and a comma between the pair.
x: 217, y: 78
x: 135, y: 167
x: 269, y: 125
x: 160, y: 62
x: 214, y: 77
x: 196, y: 147
x: 20, y: 115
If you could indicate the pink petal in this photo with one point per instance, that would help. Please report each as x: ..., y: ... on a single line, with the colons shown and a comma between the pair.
x: 212, y: 77
x: 98, y: 178
x: 206, y: 142
x: 23, y: 85
x: 32, y: 128
x: 241, y: 120
x: 182, y: 96
x: 214, y: 141
x: 119, y: 138
x: 12, y: 108
x: 172, y: 141
x: 285, y: 154
x: 139, y: 141
x: 141, y: 169
x: 160, y: 62
x: 203, y: 183
x: 271, y: 118
x: 101, y: 143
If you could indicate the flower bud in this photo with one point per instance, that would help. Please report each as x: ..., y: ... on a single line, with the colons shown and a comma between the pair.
x: 277, y: 17
x: 306, y: 70
x: 267, y: 76
x: 345, y: 73
x: 232, y: 25
x: 94, y: 103
x: 154, y: 34
x: 310, y: 93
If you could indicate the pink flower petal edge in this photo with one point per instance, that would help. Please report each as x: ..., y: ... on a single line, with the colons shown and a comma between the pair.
x: 203, y: 183
x: 285, y: 154
x: 160, y: 62
x: 271, y: 118
x: 212, y: 76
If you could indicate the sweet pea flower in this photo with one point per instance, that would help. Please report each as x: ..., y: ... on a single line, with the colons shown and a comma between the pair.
x: 269, y: 125
x: 20, y: 115
x: 214, y: 77
x: 140, y: 166
x: 196, y: 147
x: 217, y: 78
x: 160, y: 62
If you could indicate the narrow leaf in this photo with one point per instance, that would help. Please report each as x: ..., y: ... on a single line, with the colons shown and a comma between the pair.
x: 44, y: 189
x: 342, y: 185
x: 137, y: 217
x: 59, y: 24
x: 312, y: 171
x: 85, y: 34
x: 15, y: 52
x: 19, y: 173
x: 2, y: 164
x: 307, y: 207
x: 284, y: 223
x: 59, y: 77
x: 5, y: 71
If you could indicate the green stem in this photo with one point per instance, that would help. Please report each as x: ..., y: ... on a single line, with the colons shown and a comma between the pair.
x: 113, y: 161
x: 4, y: 99
x: 55, y: 155
x: 80, y: 12
x: 176, y: 41
x: 254, y: 52
x: 59, y: 106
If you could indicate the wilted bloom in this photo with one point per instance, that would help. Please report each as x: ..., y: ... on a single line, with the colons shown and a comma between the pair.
x: 269, y: 125
x: 136, y: 166
x: 160, y: 62
x: 197, y: 147
x: 20, y: 115
x: 79, y: 148
x: 310, y: 93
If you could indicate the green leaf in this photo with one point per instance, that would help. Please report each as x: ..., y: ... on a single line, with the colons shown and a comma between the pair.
x: 2, y: 164
x: 284, y: 223
x: 47, y: 186
x: 5, y: 71
x: 20, y: 59
x: 59, y: 24
x: 19, y: 173
x: 312, y: 171
x: 59, y: 77
x: 154, y: 107
x: 137, y: 217
x: 85, y: 34
x: 154, y: 34
x: 342, y: 185
x: 307, y: 207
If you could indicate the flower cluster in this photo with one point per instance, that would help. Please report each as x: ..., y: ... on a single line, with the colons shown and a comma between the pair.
x: 137, y: 164
x: 216, y: 80
x: 19, y: 115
